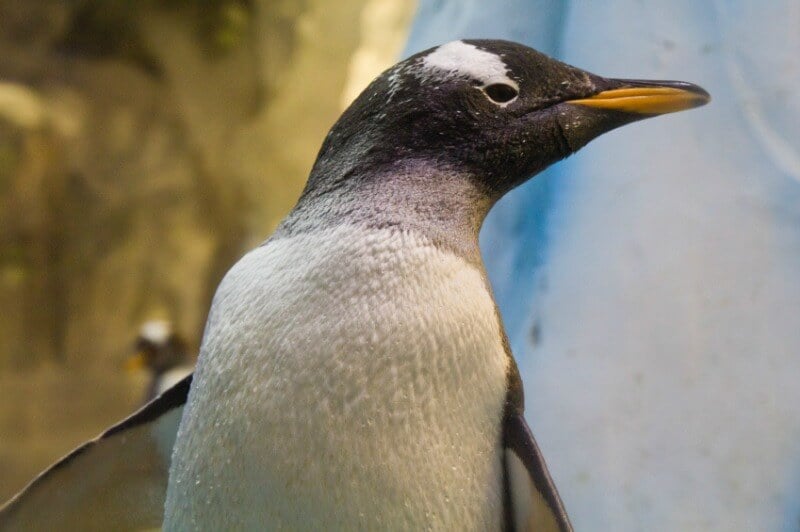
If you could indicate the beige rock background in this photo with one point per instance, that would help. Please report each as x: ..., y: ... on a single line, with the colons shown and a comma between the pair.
x: 144, y: 146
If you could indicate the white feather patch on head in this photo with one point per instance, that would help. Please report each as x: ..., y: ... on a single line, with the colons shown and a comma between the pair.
x: 156, y: 331
x: 458, y: 58
x: 454, y: 59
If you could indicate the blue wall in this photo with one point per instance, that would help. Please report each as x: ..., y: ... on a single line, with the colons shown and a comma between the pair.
x: 650, y: 284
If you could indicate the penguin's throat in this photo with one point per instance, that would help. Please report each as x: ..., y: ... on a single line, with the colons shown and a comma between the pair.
x: 445, y: 207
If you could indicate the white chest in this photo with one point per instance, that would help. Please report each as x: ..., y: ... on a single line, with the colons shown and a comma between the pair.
x: 346, y: 380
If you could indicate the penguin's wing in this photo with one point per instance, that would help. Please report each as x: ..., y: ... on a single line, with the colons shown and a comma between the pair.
x: 117, y: 481
x: 532, y: 501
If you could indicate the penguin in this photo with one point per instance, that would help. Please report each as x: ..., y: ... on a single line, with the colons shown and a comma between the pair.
x: 354, y: 371
x: 163, y: 353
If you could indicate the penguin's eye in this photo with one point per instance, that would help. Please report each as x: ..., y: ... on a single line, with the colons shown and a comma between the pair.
x: 500, y: 92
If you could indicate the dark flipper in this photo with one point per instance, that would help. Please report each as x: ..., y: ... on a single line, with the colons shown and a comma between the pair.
x: 532, y: 495
x: 117, y: 481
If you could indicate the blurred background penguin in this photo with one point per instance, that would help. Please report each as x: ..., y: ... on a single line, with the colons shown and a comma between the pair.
x: 163, y: 354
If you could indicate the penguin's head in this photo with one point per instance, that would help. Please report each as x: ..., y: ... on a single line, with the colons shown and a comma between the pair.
x: 158, y: 348
x: 496, y: 111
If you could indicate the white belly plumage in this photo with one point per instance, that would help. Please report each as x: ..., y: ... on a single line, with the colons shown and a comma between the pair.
x: 348, y: 379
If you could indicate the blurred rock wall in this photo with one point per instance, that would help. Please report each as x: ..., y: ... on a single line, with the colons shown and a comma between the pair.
x: 144, y: 146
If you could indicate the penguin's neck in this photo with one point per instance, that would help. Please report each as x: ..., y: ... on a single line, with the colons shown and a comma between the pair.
x: 444, y: 206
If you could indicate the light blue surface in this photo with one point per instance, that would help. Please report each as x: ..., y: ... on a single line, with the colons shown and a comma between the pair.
x: 650, y: 284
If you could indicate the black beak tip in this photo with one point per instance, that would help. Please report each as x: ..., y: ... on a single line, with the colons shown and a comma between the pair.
x: 701, y: 95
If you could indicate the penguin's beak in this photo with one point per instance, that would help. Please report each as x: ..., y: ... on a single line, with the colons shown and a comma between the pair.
x: 622, y: 101
x: 135, y: 362
x: 647, y: 98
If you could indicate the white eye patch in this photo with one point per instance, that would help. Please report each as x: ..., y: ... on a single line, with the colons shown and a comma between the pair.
x: 458, y: 58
